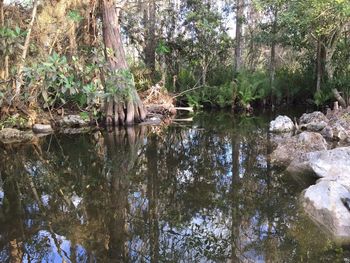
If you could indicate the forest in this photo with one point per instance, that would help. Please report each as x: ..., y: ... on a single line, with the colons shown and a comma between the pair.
x: 98, y: 57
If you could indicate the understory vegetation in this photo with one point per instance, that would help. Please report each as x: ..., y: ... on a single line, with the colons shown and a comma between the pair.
x: 239, y: 54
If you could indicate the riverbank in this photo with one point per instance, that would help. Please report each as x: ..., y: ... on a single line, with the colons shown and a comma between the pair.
x: 23, y: 126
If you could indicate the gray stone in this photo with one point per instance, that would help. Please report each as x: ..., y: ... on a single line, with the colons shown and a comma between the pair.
x: 327, y: 133
x: 9, y: 135
x: 282, y: 124
x: 42, y: 128
x: 324, y: 203
x: 331, y: 164
x: 293, y: 147
x: 339, y: 132
x: 315, y: 121
x: 73, y: 121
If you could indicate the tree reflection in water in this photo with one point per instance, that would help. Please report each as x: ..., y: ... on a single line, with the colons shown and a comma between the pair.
x: 200, y: 193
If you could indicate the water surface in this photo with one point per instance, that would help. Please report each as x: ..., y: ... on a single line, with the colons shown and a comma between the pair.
x: 192, y: 192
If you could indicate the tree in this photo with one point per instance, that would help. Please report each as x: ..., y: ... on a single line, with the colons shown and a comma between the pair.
x: 321, y: 24
x: 151, y: 41
x: 123, y: 105
x: 3, y: 72
x: 20, y: 67
x: 239, y: 38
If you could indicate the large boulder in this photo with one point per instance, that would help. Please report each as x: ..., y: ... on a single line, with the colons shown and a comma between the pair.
x: 9, y: 135
x: 331, y: 164
x: 315, y: 121
x: 282, y: 124
x: 293, y: 147
x: 326, y: 203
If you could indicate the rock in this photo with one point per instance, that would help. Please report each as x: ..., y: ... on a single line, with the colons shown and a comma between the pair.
x: 315, y: 121
x: 9, y: 135
x: 326, y: 201
x: 339, y: 132
x: 73, y: 121
x: 279, y: 138
x: 327, y: 133
x: 325, y: 204
x: 293, y: 147
x: 42, y: 128
x: 282, y: 124
x: 333, y: 164
x: 155, y: 120
x: 75, y: 130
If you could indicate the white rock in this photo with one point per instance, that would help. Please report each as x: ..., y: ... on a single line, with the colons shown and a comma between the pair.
x: 282, y: 124
x: 331, y: 164
x: 324, y: 203
x: 42, y: 128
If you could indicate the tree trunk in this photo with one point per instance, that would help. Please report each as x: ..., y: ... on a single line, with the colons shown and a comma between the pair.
x: 273, y: 55
x: 72, y: 34
x: 319, y: 67
x: 124, y: 107
x: 151, y: 43
x: 4, y: 72
x: 235, y: 199
x: 153, y: 198
x: 339, y: 98
x: 2, y: 18
x: 239, y: 25
x: 19, y: 81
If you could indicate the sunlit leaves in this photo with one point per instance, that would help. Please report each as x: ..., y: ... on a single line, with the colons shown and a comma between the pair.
x: 75, y: 16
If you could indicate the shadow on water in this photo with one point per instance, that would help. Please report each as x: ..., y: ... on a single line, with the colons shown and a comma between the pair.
x: 203, y: 192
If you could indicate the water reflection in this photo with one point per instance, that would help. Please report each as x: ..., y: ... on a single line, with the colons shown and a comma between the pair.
x: 201, y: 193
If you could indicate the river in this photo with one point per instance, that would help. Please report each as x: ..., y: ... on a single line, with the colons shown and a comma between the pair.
x: 200, y: 191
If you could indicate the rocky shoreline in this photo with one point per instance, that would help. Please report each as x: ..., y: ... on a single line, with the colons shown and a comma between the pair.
x: 318, y: 146
x: 69, y: 124
x: 159, y: 105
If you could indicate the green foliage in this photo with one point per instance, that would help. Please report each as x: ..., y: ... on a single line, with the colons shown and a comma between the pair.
x: 75, y: 16
x: 119, y: 83
x: 251, y: 86
x: 212, y: 96
x: 11, y: 40
x: 162, y: 48
x: 186, y: 79
x: 14, y: 121
x: 322, y: 97
x: 142, y: 76
x: 59, y: 82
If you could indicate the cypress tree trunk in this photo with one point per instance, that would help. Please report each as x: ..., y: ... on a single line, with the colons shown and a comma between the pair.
x: 125, y: 107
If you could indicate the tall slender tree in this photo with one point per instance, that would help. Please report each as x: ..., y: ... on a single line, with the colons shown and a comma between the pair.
x: 150, y: 37
x: 239, y: 31
x: 272, y: 69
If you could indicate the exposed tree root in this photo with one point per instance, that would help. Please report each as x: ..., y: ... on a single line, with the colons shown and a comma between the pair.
x: 127, y: 112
